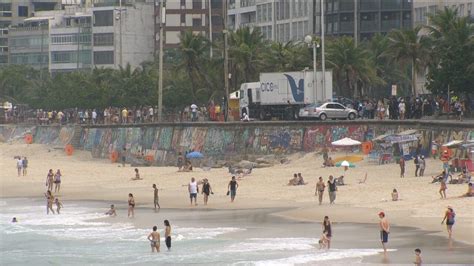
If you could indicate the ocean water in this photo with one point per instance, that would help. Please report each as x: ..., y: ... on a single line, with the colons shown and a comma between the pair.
x: 76, y: 237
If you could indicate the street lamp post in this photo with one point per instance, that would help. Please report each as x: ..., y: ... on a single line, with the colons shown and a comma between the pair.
x: 323, y: 55
x: 160, y: 61
x: 313, y: 43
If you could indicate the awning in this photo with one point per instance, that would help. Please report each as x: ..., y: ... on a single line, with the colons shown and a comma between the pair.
x: 453, y: 143
x: 346, y: 142
x: 381, y: 137
x: 407, y: 132
x: 37, y: 18
x: 401, y: 138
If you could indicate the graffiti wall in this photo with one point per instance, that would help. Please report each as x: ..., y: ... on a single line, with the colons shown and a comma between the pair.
x: 214, y: 140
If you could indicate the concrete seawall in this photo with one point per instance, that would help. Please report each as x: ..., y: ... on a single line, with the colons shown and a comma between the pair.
x: 225, y: 140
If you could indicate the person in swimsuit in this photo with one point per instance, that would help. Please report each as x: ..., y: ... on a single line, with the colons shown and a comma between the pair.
x: 327, y: 230
x: 320, y: 186
x: 137, y: 175
x: 323, y: 240
x: 384, y: 230
x: 206, y: 190
x: 50, y: 180
x: 155, y: 197
x: 131, y: 205
x: 57, y: 181
x: 59, y: 205
x: 154, y: 238
x: 49, y: 201
x: 14, y: 220
x: 168, y: 234
x: 232, y: 188
x: 112, y: 211
x: 449, y: 216
x: 443, y: 187
x: 394, y: 195
x: 418, y: 261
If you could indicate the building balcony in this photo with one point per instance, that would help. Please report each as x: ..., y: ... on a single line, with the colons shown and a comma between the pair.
x: 29, y: 28
x: 102, y: 3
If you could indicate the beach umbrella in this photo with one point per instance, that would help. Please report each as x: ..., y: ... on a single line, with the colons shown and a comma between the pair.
x: 345, y: 164
x: 346, y: 142
x: 194, y: 155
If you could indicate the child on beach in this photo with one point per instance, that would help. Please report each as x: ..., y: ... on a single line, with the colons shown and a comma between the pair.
x: 394, y: 195
x: 418, y: 260
x: 59, y: 205
x: 137, y: 175
x: 323, y: 241
x: 111, y: 212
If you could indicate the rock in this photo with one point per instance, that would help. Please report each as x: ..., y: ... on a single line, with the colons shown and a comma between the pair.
x: 246, y: 164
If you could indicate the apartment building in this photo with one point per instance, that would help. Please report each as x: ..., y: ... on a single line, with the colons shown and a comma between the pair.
x: 12, y: 12
x: 422, y: 8
x: 241, y: 13
x: 80, y: 37
x: 198, y: 16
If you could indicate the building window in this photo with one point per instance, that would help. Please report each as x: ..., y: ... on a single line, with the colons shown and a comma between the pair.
x: 183, y: 3
x: 5, y: 10
x: 103, y: 39
x: 197, y: 4
x: 23, y: 11
x: 197, y: 22
x: 104, y: 58
x: 183, y: 19
x: 104, y: 18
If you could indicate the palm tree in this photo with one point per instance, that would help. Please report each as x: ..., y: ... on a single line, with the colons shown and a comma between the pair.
x: 290, y: 56
x: 351, y: 64
x: 410, y: 47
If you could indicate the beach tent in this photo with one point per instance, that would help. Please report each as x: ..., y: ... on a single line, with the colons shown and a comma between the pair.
x: 345, y: 142
x: 194, y: 155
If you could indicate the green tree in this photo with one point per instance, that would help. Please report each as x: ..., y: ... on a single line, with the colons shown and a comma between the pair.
x: 410, y: 47
x: 290, y: 56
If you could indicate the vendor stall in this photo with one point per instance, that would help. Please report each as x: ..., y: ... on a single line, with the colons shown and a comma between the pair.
x: 390, y: 147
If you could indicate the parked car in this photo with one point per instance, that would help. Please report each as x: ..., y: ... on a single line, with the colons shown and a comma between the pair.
x: 331, y: 110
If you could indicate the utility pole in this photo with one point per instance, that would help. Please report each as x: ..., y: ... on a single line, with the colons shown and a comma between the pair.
x: 323, y: 55
x: 210, y: 27
x: 78, y: 41
x: 160, y: 61
x: 356, y: 37
x: 226, y: 64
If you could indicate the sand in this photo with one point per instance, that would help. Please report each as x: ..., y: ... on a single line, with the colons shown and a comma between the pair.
x: 87, y: 178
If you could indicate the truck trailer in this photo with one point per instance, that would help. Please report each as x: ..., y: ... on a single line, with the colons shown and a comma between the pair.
x: 281, y: 95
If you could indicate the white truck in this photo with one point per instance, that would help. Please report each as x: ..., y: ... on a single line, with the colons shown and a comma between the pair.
x: 281, y: 95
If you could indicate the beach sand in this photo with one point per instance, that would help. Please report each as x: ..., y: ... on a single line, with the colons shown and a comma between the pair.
x: 87, y: 178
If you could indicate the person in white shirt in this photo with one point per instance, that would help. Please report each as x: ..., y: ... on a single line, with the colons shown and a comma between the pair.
x: 150, y: 114
x: 193, y: 191
x: 245, y: 117
x: 194, y: 112
x: 402, y: 109
x: 19, y: 165
x: 94, y: 117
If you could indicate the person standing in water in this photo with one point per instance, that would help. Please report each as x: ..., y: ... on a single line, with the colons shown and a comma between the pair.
x: 206, y: 190
x: 167, y: 234
x: 418, y: 261
x: 320, y: 190
x: 154, y: 238
x: 57, y: 181
x: 328, y: 230
x: 131, y: 205
x: 49, y: 201
x: 155, y: 197
x: 384, y: 230
x: 59, y: 205
x: 449, y: 216
x: 232, y: 188
x: 50, y: 180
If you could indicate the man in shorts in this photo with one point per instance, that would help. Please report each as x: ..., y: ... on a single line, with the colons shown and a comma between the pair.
x: 155, y: 197
x: 384, y: 230
x: 193, y: 191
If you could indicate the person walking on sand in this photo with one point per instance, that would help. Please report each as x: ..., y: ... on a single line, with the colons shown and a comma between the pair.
x: 418, y: 261
x: 154, y: 238
x: 206, y: 190
x: 232, y: 188
x: 449, y: 216
x: 49, y: 201
x: 332, y: 189
x: 24, y: 166
x: 124, y: 156
x: 327, y: 228
x: 57, y: 181
x: 193, y: 190
x: 320, y: 186
x: 416, y: 161
x: 384, y: 230
x: 50, y: 180
x: 19, y: 165
x: 443, y: 187
x: 59, y: 205
x: 401, y: 162
x: 155, y: 197
x: 131, y: 205
x: 167, y: 234
x: 422, y: 165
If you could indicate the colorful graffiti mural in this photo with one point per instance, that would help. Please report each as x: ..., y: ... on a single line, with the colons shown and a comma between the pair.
x: 165, y: 142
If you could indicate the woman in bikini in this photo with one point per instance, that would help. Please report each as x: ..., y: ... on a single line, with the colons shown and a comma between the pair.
x: 50, y: 179
x: 57, y: 181
x: 131, y: 205
x: 49, y: 201
x: 154, y: 238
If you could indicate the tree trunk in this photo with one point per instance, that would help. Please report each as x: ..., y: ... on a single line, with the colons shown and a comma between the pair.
x: 413, y: 77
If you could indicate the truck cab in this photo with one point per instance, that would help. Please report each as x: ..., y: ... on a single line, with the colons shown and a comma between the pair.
x: 249, y: 98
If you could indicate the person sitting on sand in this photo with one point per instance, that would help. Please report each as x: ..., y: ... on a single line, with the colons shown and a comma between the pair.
x: 339, y: 180
x: 59, y: 205
x: 323, y: 241
x: 465, y: 176
x: 394, y: 195
x: 300, y: 180
x: 470, y: 191
x: 112, y: 211
x: 329, y: 162
x: 188, y: 166
x: 137, y: 175
x: 293, y: 181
